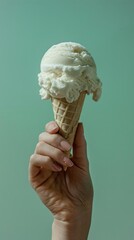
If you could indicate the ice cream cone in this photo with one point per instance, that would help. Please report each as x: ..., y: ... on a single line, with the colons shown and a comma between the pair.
x: 67, y: 115
x: 68, y: 72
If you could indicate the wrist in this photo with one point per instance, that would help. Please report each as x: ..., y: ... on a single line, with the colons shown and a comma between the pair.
x: 75, y: 228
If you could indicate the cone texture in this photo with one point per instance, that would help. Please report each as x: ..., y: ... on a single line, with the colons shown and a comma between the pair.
x: 67, y: 116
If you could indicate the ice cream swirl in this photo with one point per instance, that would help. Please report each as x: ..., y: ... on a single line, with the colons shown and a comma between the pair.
x: 67, y: 69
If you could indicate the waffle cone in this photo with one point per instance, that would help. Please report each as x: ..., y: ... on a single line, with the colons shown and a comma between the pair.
x: 67, y: 115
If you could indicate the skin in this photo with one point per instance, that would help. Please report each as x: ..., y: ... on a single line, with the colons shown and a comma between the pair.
x: 64, y: 185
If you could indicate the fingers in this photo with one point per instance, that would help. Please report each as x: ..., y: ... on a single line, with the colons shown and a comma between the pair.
x: 50, y: 152
x: 55, y: 140
x: 40, y: 169
x: 38, y: 162
x: 55, y: 154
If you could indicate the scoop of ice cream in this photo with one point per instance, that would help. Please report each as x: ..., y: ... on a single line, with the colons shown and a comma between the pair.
x: 67, y: 69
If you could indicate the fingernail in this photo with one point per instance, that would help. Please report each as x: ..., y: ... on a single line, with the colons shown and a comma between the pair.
x: 65, y: 145
x: 68, y: 162
x: 51, y: 126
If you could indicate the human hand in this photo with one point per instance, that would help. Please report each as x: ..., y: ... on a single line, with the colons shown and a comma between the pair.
x: 67, y: 194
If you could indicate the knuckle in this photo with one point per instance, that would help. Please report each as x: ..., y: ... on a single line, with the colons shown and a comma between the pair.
x: 38, y: 147
x: 47, y: 159
x: 32, y: 157
x: 40, y: 136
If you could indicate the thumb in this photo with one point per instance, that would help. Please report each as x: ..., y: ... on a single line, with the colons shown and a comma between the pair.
x: 80, y: 148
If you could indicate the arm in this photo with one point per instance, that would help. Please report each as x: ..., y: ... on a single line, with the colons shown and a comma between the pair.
x: 76, y: 229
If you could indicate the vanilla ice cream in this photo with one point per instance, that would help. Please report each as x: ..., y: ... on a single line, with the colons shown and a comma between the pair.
x: 67, y: 69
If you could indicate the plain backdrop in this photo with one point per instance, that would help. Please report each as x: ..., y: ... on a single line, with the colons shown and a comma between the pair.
x: 27, y: 29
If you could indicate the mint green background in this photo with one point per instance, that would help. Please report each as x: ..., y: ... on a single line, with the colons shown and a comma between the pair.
x: 27, y: 29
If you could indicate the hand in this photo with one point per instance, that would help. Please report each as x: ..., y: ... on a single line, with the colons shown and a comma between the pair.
x: 67, y: 194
